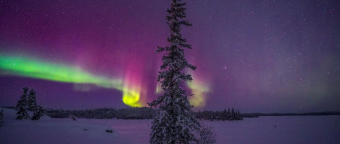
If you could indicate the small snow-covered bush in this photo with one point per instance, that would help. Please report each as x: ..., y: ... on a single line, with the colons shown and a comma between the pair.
x: 206, y: 135
x: 73, y: 117
x: 22, y: 114
x: 109, y: 131
x: 39, y: 112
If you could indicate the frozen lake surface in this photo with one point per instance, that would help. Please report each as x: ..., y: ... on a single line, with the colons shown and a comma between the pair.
x: 262, y: 130
x: 288, y: 130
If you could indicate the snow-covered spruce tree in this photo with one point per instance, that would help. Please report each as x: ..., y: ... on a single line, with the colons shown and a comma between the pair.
x: 23, y: 99
x: 2, y: 121
x: 38, y: 113
x: 32, y: 103
x: 173, y: 124
x: 22, y: 106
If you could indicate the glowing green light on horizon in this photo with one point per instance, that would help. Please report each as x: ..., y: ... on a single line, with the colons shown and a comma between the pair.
x: 131, y: 98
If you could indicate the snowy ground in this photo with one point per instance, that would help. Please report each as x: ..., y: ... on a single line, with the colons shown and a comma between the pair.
x: 288, y: 130
x: 56, y: 131
x: 262, y: 130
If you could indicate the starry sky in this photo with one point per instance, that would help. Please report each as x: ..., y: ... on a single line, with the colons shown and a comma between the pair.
x: 253, y: 55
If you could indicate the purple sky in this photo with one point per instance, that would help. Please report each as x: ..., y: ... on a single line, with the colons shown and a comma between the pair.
x: 255, y: 56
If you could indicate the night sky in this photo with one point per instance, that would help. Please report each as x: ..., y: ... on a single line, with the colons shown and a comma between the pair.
x: 253, y: 55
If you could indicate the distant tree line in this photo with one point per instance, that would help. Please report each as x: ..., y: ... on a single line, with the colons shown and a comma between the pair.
x: 2, y: 121
x: 138, y: 113
x: 254, y: 115
x: 105, y: 113
x: 148, y: 113
x: 230, y: 114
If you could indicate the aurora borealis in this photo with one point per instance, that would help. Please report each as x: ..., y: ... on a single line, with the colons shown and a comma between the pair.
x: 25, y: 67
x: 256, y: 56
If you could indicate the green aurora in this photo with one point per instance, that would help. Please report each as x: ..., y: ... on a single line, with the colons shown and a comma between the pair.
x: 34, y: 68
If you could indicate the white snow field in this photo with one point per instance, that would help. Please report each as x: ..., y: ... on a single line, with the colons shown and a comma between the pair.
x: 262, y: 130
x: 56, y: 131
